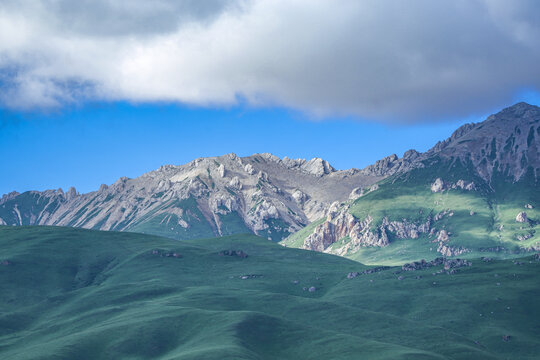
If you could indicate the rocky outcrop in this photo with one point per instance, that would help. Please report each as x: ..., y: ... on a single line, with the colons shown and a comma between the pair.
x: 439, y: 185
x: 524, y: 237
x: 299, y: 196
x: 257, y: 216
x: 318, y: 167
x: 249, y: 169
x: 391, y: 165
x: 377, y: 269
x: 235, y: 183
x: 349, y: 234
x: 234, y: 253
x: 447, y: 250
x: 7, y: 197
x: 442, y: 236
x: 340, y: 224
x: 356, y: 193
x: 221, y: 170
x: 446, y: 263
x: 522, y: 217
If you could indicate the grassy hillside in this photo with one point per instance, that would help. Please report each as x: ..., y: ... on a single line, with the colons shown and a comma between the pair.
x: 483, y: 221
x: 81, y: 294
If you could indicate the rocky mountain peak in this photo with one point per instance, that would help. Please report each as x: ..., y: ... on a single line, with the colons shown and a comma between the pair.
x: 210, y: 196
x: 521, y: 109
x: 9, y: 196
x: 318, y: 167
x: 268, y: 195
x: 507, y: 142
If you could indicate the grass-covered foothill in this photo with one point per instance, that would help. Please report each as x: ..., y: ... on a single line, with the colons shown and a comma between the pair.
x: 81, y: 294
x: 481, y: 221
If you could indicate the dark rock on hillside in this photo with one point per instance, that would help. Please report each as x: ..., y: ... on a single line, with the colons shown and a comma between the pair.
x: 377, y: 269
x: 235, y: 253
x: 162, y: 253
x: 446, y: 263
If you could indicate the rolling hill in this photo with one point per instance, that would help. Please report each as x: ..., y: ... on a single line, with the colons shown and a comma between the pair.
x: 80, y: 294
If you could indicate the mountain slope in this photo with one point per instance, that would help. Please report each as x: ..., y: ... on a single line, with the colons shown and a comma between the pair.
x: 483, y: 177
x: 476, y: 192
x: 207, y: 197
x: 80, y: 294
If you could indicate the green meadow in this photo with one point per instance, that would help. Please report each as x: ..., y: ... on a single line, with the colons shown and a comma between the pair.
x: 81, y: 294
x: 483, y: 220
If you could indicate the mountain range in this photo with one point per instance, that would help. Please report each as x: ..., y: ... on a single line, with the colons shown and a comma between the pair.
x: 476, y: 191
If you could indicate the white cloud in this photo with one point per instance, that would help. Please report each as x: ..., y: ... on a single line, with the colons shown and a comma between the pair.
x: 385, y: 60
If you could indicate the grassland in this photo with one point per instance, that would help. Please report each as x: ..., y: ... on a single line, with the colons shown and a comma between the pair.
x: 483, y: 221
x: 82, y: 294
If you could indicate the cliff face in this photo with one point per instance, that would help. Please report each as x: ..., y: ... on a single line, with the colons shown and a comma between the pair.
x: 341, y: 224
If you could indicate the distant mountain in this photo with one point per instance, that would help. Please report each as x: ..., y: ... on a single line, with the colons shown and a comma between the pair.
x: 207, y: 197
x: 467, y: 192
x: 477, y: 191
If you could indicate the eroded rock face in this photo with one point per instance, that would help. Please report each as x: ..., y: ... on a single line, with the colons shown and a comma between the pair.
x: 264, y: 211
x: 299, y: 197
x: 340, y: 224
x: 271, y: 196
x: 318, y: 167
x: 356, y: 193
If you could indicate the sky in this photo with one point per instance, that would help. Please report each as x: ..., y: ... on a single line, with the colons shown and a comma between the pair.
x: 94, y: 90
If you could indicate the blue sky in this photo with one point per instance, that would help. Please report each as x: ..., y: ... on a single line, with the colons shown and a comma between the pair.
x: 93, y: 144
x: 94, y: 90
